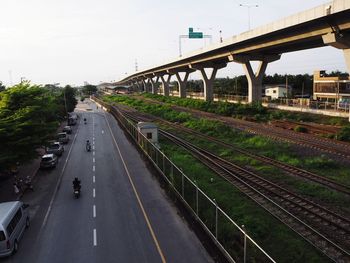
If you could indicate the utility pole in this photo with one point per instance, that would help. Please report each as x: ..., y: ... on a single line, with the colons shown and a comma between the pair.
x: 249, y: 6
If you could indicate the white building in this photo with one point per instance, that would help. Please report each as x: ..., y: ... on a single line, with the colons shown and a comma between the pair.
x: 277, y: 91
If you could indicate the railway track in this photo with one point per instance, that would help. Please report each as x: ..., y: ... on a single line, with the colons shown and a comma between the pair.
x: 324, y: 229
x: 293, y: 170
x: 337, y: 148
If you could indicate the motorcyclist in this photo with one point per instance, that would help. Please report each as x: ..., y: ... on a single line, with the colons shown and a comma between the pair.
x: 85, y: 120
x: 88, y: 145
x: 76, y: 184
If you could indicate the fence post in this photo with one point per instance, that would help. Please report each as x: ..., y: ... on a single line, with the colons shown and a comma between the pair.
x: 172, y: 173
x: 216, y: 219
x: 163, y: 163
x: 182, y: 185
x: 196, y: 197
x: 244, y: 246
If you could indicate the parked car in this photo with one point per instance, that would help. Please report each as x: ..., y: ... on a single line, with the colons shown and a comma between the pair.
x: 48, y: 161
x: 56, y: 148
x: 68, y: 129
x: 63, y: 137
x: 14, y: 219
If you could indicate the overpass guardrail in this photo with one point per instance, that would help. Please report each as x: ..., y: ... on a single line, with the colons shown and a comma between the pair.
x: 230, y: 237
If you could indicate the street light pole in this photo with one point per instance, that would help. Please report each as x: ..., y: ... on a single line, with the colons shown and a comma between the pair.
x: 249, y: 6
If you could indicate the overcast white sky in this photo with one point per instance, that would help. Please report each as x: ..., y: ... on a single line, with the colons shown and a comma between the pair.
x: 72, y: 41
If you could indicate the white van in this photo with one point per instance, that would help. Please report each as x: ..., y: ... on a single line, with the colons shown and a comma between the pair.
x: 14, y: 219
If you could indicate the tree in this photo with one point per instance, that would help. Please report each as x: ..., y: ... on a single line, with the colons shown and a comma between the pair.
x: 89, y: 89
x: 28, y: 118
x: 2, y: 87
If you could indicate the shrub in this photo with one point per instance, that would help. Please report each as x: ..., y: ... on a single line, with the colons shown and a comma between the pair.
x: 299, y: 128
x: 344, y: 134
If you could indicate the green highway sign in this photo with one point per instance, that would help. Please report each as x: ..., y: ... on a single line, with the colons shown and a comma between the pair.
x: 195, y: 35
x: 192, y: 34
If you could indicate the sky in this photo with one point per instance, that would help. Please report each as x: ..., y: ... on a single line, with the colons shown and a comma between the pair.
x: 73, y: 41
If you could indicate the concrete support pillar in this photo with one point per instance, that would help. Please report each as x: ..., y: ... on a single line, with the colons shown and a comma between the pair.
x: 347, y: 58
x: 209, y: 81
x: 165, y: 83
x: 144, y: 85
x: 254, y: 79
x: 154, y: 84
x: 182, y: 83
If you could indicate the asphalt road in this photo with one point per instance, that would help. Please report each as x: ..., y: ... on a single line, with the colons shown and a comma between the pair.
x: 122, y: 215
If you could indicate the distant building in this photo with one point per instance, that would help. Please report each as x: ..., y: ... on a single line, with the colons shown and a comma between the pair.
x: 278, y: 91
x: 334, y: 88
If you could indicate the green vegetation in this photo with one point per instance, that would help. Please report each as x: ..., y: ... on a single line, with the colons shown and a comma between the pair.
x: 281, y: 243
x: 299, y: 128
x: 29, y: 115
x: 254, y: 112
x: 89, y: 89
x: 344, y: 134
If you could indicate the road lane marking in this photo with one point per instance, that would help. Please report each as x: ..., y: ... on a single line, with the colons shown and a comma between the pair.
x: 137, y: 196
x: 93, y: 159
x: 94, y: 193
x: 93, y: 168
x: 103, y: 131
x: 95, y: 237
x: 93, y: 179
x: 94, y: 211
x: 93, y: 147
x: 93, y: 153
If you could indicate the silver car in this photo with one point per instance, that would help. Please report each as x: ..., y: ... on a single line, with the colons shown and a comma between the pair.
x: 48, y: 161
x: 56, y: 148
x: 63, y: 137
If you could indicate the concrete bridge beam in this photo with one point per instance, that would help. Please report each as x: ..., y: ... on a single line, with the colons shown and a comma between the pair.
x: 341, y: 41
x: 254, y: 78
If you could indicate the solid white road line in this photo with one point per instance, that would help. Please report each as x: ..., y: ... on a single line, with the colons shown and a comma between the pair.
x: 94, y: 211
x: 94, y: 193
x: 95, y: 237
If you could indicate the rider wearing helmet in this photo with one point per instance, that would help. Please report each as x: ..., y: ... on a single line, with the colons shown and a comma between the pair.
x: 76, y: 183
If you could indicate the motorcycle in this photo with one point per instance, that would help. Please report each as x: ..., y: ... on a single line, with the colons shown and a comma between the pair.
x: 76, y: 192
x: 88, y: 147
x: 84, y: 120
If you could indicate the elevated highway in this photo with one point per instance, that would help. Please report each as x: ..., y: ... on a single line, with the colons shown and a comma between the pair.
x: 325, y: 25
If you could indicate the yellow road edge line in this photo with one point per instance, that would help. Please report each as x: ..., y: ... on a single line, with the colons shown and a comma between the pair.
x: 137, y: 197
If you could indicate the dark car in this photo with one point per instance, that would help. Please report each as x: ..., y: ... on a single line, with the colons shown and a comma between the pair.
x: 67, y: 129
x: 56, y: 148
x: 48, y: 161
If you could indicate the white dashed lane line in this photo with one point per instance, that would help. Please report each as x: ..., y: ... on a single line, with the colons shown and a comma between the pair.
x: 93, y: 159
x: 93, y: 168
x: 93, y: 179
x: 95, y: 238
x: 93, y: 193
x: 94, y: 211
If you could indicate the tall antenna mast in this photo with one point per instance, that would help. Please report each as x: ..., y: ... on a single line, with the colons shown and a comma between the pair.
x: 136, y: 67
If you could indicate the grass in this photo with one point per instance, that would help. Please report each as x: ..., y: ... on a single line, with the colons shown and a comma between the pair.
x: 281, y: 243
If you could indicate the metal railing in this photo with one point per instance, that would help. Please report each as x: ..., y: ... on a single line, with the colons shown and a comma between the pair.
x: 230, y: 238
